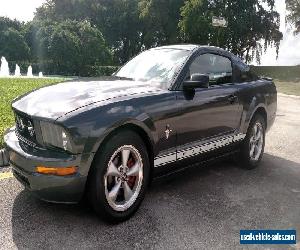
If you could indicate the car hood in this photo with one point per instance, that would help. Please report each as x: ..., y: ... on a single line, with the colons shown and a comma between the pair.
x: 56, y: 100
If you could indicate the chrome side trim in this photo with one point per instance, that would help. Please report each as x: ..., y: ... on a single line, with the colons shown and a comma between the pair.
x: 209, y: 146
x: 202, y: 147
x: 164, y: 159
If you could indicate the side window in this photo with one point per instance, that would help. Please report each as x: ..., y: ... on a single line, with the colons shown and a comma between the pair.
x: 217, y: 67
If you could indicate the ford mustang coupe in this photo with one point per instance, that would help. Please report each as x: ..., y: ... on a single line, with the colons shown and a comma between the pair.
x: 108, y: 138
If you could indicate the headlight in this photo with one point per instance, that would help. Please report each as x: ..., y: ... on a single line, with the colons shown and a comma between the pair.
x: 55, y: 135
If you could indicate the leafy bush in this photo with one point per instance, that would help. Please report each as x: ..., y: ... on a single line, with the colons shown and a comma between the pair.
x: 99, y: 70
x: 49, y: 68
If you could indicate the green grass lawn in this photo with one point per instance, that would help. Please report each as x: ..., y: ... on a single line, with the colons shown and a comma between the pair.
x: 10, y: 88
x: 289, y: 88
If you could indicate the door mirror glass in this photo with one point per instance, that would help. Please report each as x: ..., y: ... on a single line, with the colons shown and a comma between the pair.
x: 197, y: 81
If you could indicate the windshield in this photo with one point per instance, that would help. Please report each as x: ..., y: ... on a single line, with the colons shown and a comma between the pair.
x: 157, y: 66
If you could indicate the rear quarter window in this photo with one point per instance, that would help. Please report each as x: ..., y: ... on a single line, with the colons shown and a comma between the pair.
x: 248, y: 76
x: 244, y: 73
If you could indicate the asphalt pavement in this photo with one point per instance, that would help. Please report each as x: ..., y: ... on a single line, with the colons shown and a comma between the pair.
x: 201, y: 208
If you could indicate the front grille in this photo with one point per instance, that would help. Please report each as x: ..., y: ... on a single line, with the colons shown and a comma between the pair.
x: 25, y: 129
x: 26, y: 141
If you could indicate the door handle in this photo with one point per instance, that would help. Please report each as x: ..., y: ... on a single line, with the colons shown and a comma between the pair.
x: 232, y: 99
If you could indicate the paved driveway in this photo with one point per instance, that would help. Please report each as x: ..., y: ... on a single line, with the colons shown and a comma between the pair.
x: 198, y: 209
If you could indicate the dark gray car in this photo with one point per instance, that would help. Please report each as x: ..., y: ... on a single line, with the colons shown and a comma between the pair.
x: 165, y: 109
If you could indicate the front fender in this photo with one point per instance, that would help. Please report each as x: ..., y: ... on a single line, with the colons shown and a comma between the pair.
x: 145, y: 125
x: 112, y: 116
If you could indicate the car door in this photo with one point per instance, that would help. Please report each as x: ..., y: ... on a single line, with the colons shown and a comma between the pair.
x: 212, y: 112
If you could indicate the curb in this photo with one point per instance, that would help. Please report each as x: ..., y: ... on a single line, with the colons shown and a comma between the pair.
x: 290, y: 96
x: 3, y: 158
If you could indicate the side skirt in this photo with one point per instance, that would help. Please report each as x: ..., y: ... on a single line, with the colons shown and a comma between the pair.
x: 198, y: 148
x: 192, y: 163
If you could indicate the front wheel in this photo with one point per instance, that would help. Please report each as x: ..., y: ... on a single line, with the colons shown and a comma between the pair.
x: 254, y: 143
x: 119, y: 177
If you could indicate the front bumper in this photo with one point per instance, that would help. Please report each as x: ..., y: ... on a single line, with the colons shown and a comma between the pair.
x: 24, y: 159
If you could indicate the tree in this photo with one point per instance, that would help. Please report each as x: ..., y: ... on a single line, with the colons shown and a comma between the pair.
x: 12, y: 43
x: 130, y: 26
x: 6, y: 23
x: 160, y: 19
x: 69, y: 46
x: 252, y: 27
x: 118, y: 21
x: 293, y: 8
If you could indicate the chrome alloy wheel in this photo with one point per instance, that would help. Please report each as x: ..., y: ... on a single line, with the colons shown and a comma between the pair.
x: 124, y: 177
x: 256, y: 141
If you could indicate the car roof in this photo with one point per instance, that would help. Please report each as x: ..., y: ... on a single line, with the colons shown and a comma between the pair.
x: 179, y: 46
x: 189, y: 47
x: 193, y: 47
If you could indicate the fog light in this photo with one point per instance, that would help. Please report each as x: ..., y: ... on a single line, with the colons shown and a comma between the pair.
x: 60, y: 171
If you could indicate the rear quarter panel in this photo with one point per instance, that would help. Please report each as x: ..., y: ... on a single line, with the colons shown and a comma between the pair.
x: 255, y: 95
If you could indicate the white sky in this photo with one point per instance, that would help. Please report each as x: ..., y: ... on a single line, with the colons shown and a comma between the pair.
x: 22, y: 10
x: 289, y: 53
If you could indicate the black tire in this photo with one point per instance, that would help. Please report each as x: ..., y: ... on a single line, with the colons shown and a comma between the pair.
x: 96, y: 188
x: 244, y: 158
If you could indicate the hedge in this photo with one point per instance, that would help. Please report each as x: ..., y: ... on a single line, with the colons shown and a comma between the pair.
x: 284, y: 73
x: 99, y: 70
x: 50, y: 68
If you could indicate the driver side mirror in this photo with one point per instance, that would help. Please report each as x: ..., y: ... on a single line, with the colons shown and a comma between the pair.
x: 196, y: 81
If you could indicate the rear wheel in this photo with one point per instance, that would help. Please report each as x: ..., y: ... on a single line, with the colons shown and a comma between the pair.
x: 119, y: 177
x: 254, y: 143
